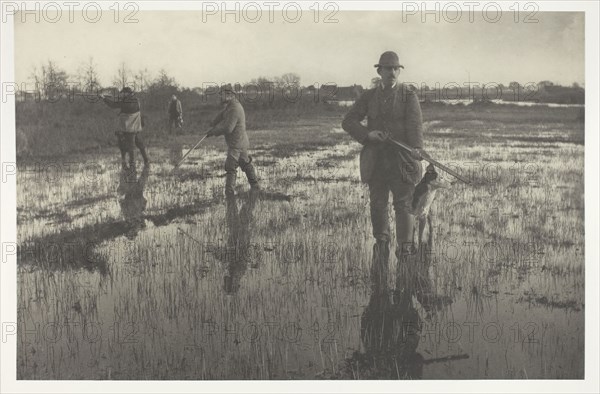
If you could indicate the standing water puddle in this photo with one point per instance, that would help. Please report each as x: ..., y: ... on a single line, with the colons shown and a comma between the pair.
x: 154, y: 275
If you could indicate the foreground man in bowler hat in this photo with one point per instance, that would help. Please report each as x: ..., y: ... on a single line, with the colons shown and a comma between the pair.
x: 231, y: 122
x: 392, y: 111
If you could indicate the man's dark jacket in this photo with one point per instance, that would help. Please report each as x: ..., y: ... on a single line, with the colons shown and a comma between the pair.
x: 401, y: 117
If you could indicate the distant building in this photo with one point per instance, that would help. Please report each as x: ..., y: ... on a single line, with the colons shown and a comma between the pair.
x: 343, y: 95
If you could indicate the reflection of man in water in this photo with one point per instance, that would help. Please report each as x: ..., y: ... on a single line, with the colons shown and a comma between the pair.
x: 132, y: 200
x: 238, y: 252
x: 175, y: 152
x: 391, y: 328
x: 390, y: 333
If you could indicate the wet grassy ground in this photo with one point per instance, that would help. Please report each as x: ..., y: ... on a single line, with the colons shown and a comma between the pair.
x: 154, y: 275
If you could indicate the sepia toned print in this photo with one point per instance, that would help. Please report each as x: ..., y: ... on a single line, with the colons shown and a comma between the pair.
x: 355, y: 195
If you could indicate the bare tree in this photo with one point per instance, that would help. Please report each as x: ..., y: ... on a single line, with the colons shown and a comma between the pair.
x: 291, y: 79
x: 543, y: 84
x: 142, y: 79
x: 55, y: 74
x: 288, y: 84
x: 123, y: 77
x: 88, y: 76
x: 38, y: 80
x: 164, y: 80
x: 263, y: 83
x: 49, y: 79
x: 262, y: 88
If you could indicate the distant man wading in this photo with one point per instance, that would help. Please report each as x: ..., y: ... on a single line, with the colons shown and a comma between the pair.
x: 130, y: 123
x: 231, y: 122
x: 392, y: 111
x: 175, y: 114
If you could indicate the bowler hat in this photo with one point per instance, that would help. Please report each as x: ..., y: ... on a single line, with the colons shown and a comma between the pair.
x: 389, y: 59
x: 227, y: 89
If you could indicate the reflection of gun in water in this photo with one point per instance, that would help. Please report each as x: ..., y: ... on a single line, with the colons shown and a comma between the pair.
x: 462, y: 356
x: 238, y: 252
x: 132, y: 200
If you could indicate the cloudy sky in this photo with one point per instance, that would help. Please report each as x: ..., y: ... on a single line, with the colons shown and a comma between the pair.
x: 194, y: 51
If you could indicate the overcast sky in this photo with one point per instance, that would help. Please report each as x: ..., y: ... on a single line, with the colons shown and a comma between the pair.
x: 193, y: 51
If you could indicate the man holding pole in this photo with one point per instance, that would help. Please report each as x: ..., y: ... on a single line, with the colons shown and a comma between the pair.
x: 393, y: 112
x: 231, y: 122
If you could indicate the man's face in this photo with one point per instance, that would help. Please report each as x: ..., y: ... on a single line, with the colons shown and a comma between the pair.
x: 227, y: 96
x: 388, y: 74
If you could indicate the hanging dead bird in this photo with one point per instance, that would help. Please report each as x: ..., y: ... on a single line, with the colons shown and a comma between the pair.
x: 423, y: 197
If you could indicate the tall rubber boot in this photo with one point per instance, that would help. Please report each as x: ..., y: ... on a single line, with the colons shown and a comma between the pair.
x: 406, y: 253
x: 251, y: 175
x: 380, y: 267
x: 129, y: 139
x: 124, y: 164
x: 139, y: 142
x: 404, y: 233
x: 230, y: 184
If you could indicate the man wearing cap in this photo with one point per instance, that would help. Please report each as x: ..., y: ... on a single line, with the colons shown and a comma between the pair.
x: 231, y: 122
x: 130, y: 124
x: 392, y: 111
x: 175, y: 114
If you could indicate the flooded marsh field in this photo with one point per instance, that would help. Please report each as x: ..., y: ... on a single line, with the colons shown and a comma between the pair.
x: 154, y: 274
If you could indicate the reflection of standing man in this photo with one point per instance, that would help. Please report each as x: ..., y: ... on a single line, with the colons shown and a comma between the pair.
x: 391, y: 327
x: 392, y: 110
x: 231, y: 122
x: 132, y: 200
x: 175, y: 114
x: 390, y: 333
x: 238, y: 252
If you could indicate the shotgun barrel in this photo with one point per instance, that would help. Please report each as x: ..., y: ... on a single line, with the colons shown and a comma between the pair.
x: 434, y: 162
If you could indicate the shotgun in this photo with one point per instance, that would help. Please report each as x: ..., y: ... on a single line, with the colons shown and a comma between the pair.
x: 433, y: 162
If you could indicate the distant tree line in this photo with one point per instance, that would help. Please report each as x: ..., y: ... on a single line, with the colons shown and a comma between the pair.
x: 50, y: 80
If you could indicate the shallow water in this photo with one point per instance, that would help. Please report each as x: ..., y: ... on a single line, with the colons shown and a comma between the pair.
x: 349, y: 103
x: 154, y: 275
